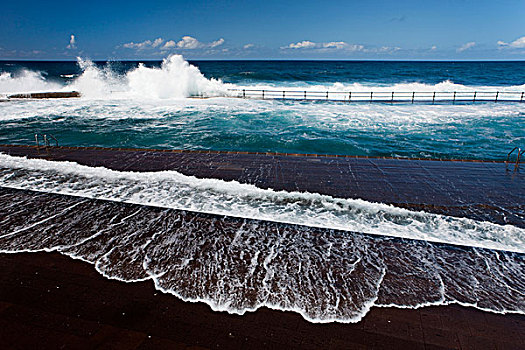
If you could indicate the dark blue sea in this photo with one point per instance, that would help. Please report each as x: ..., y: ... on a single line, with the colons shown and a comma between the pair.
x: 134, y: 104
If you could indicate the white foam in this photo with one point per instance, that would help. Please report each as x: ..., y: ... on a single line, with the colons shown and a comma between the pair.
x: 400, y: 92
x: 171, y: 189
x: 238, y: 266
x: 26, y: 81
x: 444, y: 86
x: 175, y: 79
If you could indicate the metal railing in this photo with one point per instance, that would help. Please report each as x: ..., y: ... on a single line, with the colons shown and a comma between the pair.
x: 383, y: 96
x: 519, y: 154
x: 45, y: 138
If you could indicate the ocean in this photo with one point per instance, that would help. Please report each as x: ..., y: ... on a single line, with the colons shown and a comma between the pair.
x: 237, y: 246
x: 127, y: 105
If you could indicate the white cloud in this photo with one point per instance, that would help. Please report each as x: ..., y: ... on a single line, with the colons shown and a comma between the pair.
x: 386, y: 49
x: 169, y: 45
x: 248, y: 46
x: 144, y: 45
x: 188, y: 42
x: 516, y: 44
x: 72, y: 42
x: 332, y: 45
x: 335, y: 45
x: 466, y: 46
x: 157, y: 42
x: 355, y: 47
x: 138, y: 46
x: 302, y: 45
x: 217, y: 42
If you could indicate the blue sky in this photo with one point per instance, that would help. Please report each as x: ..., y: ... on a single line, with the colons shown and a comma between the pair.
x: 425, y: 30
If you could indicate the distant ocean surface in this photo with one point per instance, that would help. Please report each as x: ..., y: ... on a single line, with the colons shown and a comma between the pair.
x: 129, y: 104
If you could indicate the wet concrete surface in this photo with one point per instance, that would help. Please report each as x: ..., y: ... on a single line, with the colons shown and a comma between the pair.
x: 490, y: 191
x: 50, y: 301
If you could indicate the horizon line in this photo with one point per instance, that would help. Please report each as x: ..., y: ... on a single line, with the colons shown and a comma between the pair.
x: 265, y: 60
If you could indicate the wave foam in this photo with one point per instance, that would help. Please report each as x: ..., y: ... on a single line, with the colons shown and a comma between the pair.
x: 444, y: 86
x: 239, y: 265
x: 170, y: 189
x: 176, y: 78
x: 26, y: 81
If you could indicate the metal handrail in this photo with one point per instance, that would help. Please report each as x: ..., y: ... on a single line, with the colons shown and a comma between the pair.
x: 45, y: 139
x: 515, y: 148
x: 520, y: 152
x: 54, y: 139
x: 385, y: 96
x: 368, y: 92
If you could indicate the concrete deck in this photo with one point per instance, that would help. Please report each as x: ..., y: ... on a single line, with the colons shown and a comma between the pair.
x: 51, y: 301
x: 480, y: 190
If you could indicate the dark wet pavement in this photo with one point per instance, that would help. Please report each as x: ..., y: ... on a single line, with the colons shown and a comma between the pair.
x: 489, y: 191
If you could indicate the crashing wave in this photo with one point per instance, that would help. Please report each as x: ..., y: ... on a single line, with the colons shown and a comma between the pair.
x: 171, y: 189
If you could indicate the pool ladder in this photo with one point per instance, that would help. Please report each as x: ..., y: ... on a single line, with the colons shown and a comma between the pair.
x: 46, y: 138
x: 519, y: 153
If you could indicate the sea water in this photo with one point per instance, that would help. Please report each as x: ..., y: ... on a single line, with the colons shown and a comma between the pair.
x: 145, y: 105
x: 328, y: 258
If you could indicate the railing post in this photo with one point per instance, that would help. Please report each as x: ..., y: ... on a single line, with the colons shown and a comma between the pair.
x: 350, y: 96
x: 454, y: 99
x: 474, y: 99
x: 243, y: 93
x: 497, y: 93
x: 263, y: 94
x: 521, y: 99
x: 284, y: 94
x: 371, y: 94
x: 392, y: 100
x: 413, y: 93
x: 433, y: 97
x: 36, y: 139
x: 327, y: 95
x: 305, y: 94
